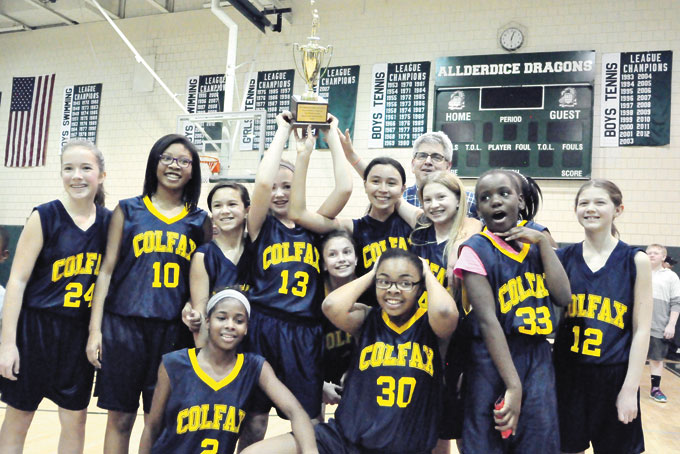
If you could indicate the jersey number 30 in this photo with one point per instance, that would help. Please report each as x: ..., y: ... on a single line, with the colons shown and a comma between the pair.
x: 403, y: 396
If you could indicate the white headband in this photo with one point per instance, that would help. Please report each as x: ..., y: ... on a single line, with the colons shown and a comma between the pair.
x: 228, y: 293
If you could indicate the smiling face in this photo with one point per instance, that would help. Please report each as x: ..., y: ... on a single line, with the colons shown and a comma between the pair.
x: 281, y: 192
x: 383, y: 186
x: 595, y: 210
x: 440, y: 204
x: 227, y: 209
x: 80, y: 173
x: 172, y: 176
x: 498, y: 201
x: 398, y: 304
x: 227, y: 324
x: 339, y: 258
x: 435, y: 161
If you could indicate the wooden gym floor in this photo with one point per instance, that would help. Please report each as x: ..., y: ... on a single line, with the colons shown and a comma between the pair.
x: 661, y: 423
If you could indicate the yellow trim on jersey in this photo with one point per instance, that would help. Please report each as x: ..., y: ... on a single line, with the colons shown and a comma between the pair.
x: 516, y: 256
x: 400, y: 329
x: 207, y: 379
x: 159, y: 215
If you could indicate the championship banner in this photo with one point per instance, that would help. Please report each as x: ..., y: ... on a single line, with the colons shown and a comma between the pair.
x: 80, y: 113
x: 204, y: 94
x: 636, y: 99
x: 532, y: 113
x: 270, y: 91
x: 398, y: 103
x: 339, y: 86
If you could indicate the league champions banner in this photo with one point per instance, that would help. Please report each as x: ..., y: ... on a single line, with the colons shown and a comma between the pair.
x: 636, y: 99
x: 340, y: 86
x: 398, y: 104
x: 204, y: 94
x: 270, y: 91
x: 80, y: 113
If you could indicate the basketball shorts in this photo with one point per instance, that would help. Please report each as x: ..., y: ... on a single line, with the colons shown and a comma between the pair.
x: 132, y: 348
x: 294, y: 351
x: 658, y: 348
x: 537, y: 429
x: 330, y: 440
x: 586, y: 396
x: 53, y: 363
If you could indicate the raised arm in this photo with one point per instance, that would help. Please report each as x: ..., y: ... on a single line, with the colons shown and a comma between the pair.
x: 350, y: 155
x: 409, y: 213
x: 341, y: 308
x: 442, y: 311
x: 555, y: 277
x: 101, y: 288
x: 266, y: 173
x: 297, y: 211
x: 28, y: 249
x: 626, y: 402
x: 481, y: 298
x: 154, y: 423
x: 342, y: 190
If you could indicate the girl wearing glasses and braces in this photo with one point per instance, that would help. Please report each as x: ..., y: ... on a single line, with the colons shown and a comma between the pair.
x: 150, y: 243
x: 392, y: 395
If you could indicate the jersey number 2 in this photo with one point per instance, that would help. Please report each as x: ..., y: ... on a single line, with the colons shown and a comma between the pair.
x: 388, y: 384
x: 211, y: 446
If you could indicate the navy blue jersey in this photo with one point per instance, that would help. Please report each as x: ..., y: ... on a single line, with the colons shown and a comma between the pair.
x: 517, y: 281
x: 533, y: 225
x: 222, y: 272
x: 68, y: 264
x: 374, y: 237
x: 597, y: 327
x: 284, y: 271
x: 151, y: 278
x: 392, y: 396
x: 424, y: 244
x: 204, y: 415
x: 338, y: 347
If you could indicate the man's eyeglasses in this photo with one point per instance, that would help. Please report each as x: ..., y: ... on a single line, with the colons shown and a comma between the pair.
x: 422, y: 156
x: 182, y: 162
x: 404, y: 286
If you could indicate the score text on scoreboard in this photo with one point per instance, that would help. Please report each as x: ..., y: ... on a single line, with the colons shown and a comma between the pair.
x: 527, y: 112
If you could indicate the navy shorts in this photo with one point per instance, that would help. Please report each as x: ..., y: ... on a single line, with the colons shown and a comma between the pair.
x: 587, y: 409
x: 294, y: 351
x: 53, y: 363
x: 132, y: 348
x: 537, y: 430
x: 451, y: 427
x: 330, y: 440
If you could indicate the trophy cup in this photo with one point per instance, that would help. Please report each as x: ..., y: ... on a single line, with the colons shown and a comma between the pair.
x: 310, y: 108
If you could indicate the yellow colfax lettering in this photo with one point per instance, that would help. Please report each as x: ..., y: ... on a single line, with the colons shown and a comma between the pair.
x: 372, y: 251
x: 83, y: 263
x: 597, y: 307
x: 162, y: 241
x: 517, y: 290
x: 409, y: 354
x: 198, y: 417
x: 298, y: 251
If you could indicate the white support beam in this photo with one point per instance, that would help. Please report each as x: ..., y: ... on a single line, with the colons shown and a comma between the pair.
x: 16, y: 21
x: 61, y: 17
x: 158, y: 6
x: 13, y: 28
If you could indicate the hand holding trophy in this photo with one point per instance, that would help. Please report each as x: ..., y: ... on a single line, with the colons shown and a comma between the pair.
x: 310, y: 108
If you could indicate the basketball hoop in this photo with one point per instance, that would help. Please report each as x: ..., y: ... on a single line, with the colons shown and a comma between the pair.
x: 210, y: 165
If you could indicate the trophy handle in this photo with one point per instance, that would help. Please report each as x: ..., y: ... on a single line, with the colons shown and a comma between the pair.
x: 296, y: 47
x: 328, y: 63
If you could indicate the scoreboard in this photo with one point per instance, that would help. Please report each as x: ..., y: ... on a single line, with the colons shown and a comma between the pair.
x: 527, y: 112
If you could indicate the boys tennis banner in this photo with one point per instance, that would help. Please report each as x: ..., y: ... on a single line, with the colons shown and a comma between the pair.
x: 636, y: 99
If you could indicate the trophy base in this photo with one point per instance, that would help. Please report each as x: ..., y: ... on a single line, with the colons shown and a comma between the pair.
x: 305, y: 113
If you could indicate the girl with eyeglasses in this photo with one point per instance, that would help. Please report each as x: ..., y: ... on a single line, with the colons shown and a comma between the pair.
x: 144, y: 283
x: 392, y: 396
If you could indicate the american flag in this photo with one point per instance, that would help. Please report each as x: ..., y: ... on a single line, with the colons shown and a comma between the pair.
x: 29, y: 119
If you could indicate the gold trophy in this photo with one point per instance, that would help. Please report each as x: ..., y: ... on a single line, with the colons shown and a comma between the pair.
x: 310, y: 108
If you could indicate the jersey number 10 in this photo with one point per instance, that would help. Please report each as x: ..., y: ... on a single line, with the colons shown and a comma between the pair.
x: 170, y: 275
